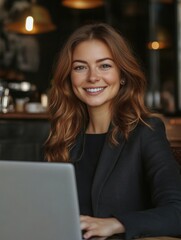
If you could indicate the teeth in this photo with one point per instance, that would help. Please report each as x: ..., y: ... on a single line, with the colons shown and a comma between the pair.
x: 93, y: 90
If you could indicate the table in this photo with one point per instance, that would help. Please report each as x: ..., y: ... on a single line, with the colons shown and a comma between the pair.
x: 147, y: 238
x: 159, y: 238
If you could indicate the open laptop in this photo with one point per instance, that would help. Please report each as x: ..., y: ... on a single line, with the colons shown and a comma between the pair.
x: 38, y: 201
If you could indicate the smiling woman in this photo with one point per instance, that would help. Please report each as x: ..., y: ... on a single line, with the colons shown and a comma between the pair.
x: 128, y: 181
x: 95, y: 77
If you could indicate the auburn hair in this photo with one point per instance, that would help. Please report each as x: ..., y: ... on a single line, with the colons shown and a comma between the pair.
x: 69, y: 116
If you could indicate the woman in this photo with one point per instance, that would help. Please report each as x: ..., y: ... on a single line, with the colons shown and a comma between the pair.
x: 128, y: 181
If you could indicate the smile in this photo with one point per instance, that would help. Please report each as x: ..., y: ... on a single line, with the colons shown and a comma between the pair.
x: 94, y: 90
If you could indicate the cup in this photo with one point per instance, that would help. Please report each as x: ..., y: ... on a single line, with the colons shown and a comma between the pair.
x: 34, y: 107
x: 20, y: 104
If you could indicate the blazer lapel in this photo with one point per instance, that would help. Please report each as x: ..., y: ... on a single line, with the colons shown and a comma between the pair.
x: 109, y: 156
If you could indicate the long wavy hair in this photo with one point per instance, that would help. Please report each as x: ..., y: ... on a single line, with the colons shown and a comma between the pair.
x: 69, y: 116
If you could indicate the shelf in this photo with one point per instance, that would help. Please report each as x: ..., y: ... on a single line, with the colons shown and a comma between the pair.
x: 24, y: 115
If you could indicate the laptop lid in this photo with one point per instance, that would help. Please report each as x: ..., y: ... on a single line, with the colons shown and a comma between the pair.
x: 38, y: 201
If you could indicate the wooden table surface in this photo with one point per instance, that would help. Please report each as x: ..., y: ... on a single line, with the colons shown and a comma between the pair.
x: 159, y: 238
x: 147, y: 238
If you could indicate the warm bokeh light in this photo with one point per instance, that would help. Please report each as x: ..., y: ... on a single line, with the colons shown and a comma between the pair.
x: 29, y: 23
x: 82, y: 4
x: 155, y: 45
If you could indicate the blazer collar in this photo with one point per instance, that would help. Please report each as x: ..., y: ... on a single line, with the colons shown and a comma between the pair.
x: 109, y: 157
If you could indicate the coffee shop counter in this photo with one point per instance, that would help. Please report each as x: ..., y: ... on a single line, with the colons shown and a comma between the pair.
x: 22, y: 136
x: 24, y: 115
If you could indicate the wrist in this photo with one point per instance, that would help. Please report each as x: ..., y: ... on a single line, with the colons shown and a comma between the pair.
x: 118, y: 227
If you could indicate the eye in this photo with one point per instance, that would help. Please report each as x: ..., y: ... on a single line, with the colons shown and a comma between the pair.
x: 105, y: 66
x: 79, y: 68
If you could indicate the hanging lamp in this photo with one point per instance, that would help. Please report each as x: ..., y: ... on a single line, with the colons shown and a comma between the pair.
x: 82, y: 4
x: 33, y: 20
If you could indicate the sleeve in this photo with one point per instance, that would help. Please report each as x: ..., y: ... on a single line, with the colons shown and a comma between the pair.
x: 163, y: 175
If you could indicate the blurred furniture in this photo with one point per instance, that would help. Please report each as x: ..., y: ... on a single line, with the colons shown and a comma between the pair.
x: 22, y: 136
x: 173, y: 130
x: 177, y: 154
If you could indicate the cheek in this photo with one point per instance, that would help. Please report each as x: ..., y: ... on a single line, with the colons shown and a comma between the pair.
x: 76, y: 80
x: 76, y: 86
x: 116, y: 89
x: 115, y: 81
x: 116, y: 85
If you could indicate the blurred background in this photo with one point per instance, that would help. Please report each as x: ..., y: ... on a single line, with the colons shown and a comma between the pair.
x: 32, y: 32
x: 152, y: 27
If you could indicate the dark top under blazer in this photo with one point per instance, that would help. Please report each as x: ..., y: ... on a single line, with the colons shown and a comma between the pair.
x: 138, y: 182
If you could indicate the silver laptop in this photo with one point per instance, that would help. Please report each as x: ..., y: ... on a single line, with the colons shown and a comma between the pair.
x: 38, y: 201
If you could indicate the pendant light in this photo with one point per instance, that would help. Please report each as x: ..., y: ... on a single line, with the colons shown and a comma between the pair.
x: 33, y: 20
x: 82, y: 4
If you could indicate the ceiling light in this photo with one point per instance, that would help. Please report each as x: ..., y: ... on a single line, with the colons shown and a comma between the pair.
x: 83, y: 4
x: 33, y: 20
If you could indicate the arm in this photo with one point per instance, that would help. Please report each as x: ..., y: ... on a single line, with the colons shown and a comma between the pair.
x: 164, y: 179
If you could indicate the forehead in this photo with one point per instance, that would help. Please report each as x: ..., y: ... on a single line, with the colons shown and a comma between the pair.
x: 90, y: 48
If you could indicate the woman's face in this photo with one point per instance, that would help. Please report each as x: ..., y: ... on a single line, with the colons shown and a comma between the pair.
x: 94, y: 74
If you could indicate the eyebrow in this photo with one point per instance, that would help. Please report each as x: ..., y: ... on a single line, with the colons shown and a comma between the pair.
x: 99, y: 60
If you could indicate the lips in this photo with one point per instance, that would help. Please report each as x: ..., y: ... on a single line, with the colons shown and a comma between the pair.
x: 94, y: 90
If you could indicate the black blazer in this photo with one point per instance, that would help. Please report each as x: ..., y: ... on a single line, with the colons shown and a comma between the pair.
x: 138, y: 182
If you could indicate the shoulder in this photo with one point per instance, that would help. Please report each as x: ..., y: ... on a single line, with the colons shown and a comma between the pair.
x: 152, y: 129
x: 151, y: 124
x: 154, y: 121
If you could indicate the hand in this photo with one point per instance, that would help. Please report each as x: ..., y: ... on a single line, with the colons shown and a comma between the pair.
x: 100, y: 227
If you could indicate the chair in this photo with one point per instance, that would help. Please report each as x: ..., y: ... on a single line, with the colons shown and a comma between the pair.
x: 177, y: 153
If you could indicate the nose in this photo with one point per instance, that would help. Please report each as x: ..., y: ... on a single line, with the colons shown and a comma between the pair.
x: 94, y: 75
